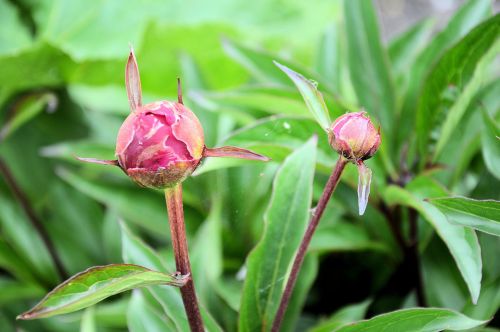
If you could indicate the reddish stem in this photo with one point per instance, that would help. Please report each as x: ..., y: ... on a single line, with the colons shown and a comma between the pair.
x: 330, y: 186
x: 173, y: 197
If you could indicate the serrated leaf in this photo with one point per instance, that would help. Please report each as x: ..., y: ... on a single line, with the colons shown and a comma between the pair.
x: 490, y: 139
x: 312, y: 97
x: 286, y: 219
x: 415, y: 320
x: 94, y: 285
x: 483, y: 215
x: 461, y: 241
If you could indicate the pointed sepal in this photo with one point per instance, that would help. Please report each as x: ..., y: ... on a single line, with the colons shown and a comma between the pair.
x: 233, y: 152
x: 99, y: 161
x: 364, y: 180
x: 133, y: 82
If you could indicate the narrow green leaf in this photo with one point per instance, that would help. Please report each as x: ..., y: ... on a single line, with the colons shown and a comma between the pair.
x: 481, y: 215
x: 141, y: 316
x: 95, y: 284
x: 25, y: 110
x: 312, y: 97
x: 415, y: 320
x: 328, y: 63
x: 404, y: 48
x: 137, y: 252
x: 461, y: 241
x: 368, y: 63
x: 469, y: 15
x: 347, y: 314
x: 460, y: 70
x: 490, y: 139
x: 88, y: 323
x: 286, y: 219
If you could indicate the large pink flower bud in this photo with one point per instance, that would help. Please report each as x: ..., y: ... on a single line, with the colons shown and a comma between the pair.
x: 160, y: 144
x: 354, y: 136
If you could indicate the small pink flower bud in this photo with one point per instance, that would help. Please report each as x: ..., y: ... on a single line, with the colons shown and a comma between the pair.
x: 354, y: 136
x: 160, y: 144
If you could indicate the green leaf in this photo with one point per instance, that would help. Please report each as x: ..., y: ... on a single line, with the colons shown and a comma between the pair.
x: 481, y: 215
x: 146, y: 210
x: 141, y: 316
x: 13, y: 34
x: 94, y: 285
x: 490, y: 139
x: 286, y: 219
x: 137, y: 252
x: 461, y: 70
x: 328, y: 63
x: 415, y: 320
x: 461, y: 241
x: 312, y: 97
x: 343, y: 236
x: 347, y: 314
x: 88, y: 323
x: 368, y: 63
x: 469, y: 15
x: 404, y: 48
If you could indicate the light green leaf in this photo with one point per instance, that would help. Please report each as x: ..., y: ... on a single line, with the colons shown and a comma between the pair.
x: 404, y: 48
x: 368, y: 63
x: 490, y: 139
x: 147, y: 211
x: 312, y: 97
x: 328, y: 63
x: 347, y: 314
x: 459, y: 71
x: 94, y: 285
x: 88, y: 323
x: 415, y: 320
x: 481, y: 215
x: 141, y: 316
x: 136, y: 251
x: 461, y: 241
x: 286, y: 219
x: 14, y: 35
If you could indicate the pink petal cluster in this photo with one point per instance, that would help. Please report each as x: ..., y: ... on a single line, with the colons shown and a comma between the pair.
x: 354, y: 136
x: 160, y: 144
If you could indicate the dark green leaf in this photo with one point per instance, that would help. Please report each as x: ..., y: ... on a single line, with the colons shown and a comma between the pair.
x: 482, y: 215
x: 94, y: 285
x: 461, y: 241
x: 461, y: 68
x: 286, y: 219
x: 415, y: 320
x: 466, y: 17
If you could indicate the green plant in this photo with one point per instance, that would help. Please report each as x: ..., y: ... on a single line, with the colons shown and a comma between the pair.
x: 435, y: 96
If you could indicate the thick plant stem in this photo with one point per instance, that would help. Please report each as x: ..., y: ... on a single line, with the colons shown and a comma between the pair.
x: 173, y: 197
x: 330, y: 186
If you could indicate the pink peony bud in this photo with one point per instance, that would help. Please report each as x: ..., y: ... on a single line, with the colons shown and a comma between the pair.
x: 160, y: 144
x: 354, y: 136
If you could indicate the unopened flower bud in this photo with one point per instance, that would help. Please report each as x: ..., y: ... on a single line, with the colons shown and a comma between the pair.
x: 160, y: 144
x: 354, y: 136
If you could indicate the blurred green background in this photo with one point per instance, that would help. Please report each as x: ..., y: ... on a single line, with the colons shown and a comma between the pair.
x: 62, y: 94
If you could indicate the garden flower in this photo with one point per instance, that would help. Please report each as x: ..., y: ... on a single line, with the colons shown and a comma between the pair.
x: 353, y: 136
x: 162, y: 143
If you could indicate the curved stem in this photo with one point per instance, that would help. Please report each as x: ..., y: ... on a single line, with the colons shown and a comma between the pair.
x: 173, y: 197
x: 330, y: 186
